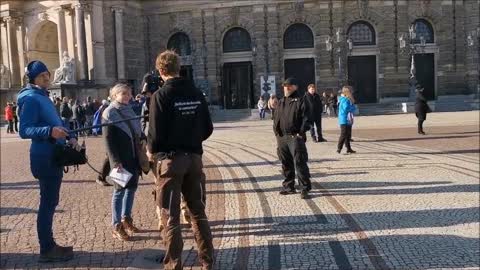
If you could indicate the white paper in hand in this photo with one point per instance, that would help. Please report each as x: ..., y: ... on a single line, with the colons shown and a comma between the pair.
x: 121, y: 177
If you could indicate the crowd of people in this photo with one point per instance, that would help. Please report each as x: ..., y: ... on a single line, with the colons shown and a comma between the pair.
x: 174, y: 122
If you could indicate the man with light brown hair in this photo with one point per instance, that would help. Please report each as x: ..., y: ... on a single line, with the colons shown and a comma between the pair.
x: 179, y: 121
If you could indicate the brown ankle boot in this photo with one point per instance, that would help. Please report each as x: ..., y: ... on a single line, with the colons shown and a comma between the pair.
x: 119, y: 232
x: 128, y: 225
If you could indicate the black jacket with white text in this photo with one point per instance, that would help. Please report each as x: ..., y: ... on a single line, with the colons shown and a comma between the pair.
x: 179, y: 119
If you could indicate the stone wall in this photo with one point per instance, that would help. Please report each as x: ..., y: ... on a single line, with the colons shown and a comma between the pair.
x: 148, y: 25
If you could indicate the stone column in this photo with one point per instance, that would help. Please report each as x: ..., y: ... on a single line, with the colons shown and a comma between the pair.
x: 62, y: 32
x: 119, y: 43
x: 81, y: 41
x: 21, y: 48
x: 15, y: 80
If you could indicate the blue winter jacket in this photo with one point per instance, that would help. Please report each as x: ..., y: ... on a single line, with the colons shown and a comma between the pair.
x: 37, y: 118
x: 344, y: 107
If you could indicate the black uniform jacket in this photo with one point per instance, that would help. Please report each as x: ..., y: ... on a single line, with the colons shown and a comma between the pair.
x: 421, y: 106
x: 179, y: 119
x: 291, y: 116
x: 314, y: 103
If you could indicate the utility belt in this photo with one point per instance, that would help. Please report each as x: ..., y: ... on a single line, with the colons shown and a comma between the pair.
x: 168, y: 155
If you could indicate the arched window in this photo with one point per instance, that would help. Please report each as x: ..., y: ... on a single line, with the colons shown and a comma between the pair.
x: 298, y: 36
x: 361, y: 33
x: 423, y: 29
x: 180, y: 43
x: 237, y: 40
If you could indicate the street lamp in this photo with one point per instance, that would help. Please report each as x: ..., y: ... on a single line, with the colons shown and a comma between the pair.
x: 408, y: 46
x: 337, y: 42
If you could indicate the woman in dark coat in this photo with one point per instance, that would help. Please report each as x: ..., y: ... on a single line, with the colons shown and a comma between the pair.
x: 421, y: 108
x: 119, y: 139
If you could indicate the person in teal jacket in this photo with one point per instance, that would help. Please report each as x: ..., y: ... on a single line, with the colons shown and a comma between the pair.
x: 346, y: 109
x: 40, y: 122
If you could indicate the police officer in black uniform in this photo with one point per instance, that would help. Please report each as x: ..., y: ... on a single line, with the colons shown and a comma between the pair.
x: 291, y: 122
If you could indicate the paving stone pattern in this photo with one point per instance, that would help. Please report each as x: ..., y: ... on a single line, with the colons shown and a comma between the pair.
x: 393, y: 205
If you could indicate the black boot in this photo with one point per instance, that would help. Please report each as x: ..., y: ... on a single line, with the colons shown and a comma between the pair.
x: 57, y: 254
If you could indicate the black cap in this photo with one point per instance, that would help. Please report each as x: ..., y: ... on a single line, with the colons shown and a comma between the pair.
x: 290, y: 81
x: 418, y: 87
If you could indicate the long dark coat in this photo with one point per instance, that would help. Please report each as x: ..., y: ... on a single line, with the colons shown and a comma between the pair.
x: 314, y: 104
x: 421, y: 106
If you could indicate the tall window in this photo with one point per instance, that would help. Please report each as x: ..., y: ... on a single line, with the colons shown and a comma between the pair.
x: 237, y: 40
x: 298, y: 36
x: 423, y: 29
x: 180, y: 43
x: 361, y: 33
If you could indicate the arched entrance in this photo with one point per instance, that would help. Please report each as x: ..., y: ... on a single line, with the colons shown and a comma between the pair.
x: 180, y: 43
x: 299, y: 36
x: 425, y: 62
x: 237, y: 78
x: 362, y: 69
x: 44, y: 46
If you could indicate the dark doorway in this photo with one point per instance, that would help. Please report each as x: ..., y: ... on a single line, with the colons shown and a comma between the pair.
x: 187, y: 72
x: 237, y: 92
x: 362, y: 75
x: 425, y: 73
x: 303, y: 70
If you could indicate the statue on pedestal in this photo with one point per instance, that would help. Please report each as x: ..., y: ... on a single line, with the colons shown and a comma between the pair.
x: 4, y: 76
x: 66, y: 72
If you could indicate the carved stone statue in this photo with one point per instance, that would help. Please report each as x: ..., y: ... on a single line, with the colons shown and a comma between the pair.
x: 66, y: 72
x: 4, y: 77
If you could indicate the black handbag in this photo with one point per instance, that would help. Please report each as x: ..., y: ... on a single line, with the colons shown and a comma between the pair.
x: 66, y: 155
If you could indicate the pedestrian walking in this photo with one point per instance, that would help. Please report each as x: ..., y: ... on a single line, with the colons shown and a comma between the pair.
x: 120, y: 143
x: 15, y: 116
x: 333, y: 103
x: 346, y: 109
x: 89, y: 112
x: 97, y: 118
x: 324, y: 100
x: 290, y: 124
x: 9, y: 117
x: 58, y: 103
x: 41, y: 123
x: 314, y: 103
x: 66, y: 112
x: 179, y: 123
x: 272, y: 104
x: 421, y: 108
x: 261, y: 107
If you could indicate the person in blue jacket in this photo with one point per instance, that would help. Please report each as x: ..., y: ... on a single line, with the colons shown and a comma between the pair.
x: 40, y: 122
x: 346, y: 109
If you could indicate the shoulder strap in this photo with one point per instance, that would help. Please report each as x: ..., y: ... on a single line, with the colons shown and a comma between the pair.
x: 127, y: 122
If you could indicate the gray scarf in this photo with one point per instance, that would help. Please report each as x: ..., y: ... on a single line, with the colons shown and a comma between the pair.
x: 111, y: 114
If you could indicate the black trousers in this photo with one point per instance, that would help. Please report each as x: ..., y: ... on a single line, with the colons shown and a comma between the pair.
x: 292, y: 152
x: 345, y: 137
x: 15, y: 123
x: 316, y: 125
x: 105, y: 169
x: 421, y: 118
x: 420, y: 125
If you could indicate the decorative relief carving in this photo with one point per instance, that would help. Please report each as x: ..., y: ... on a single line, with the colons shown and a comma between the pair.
x: 363, y: 7
x: 235, y: 15
x: 299, y: 6
x: 43, y: 16
x: 424, y: 6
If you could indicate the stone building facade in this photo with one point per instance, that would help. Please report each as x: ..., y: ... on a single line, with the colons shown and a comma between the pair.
x: 230, y: 48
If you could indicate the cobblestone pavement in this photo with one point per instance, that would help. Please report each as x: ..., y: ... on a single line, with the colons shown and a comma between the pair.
x: 402, y: 202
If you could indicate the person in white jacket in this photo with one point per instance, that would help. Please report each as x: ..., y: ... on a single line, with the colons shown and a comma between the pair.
x: 261, y: 107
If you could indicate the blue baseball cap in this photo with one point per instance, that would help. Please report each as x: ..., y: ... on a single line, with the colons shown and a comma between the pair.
x: 34, y: 68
